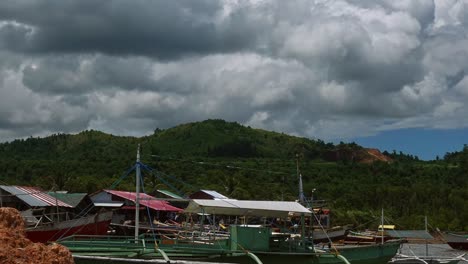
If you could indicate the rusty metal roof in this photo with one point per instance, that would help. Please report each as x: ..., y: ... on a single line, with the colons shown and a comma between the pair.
x: 146, y: 200
x: 33, y: 196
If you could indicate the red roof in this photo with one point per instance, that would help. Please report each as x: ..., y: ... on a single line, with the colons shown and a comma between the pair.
x: 146, y: 200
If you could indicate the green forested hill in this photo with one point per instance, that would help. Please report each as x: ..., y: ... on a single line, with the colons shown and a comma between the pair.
x: 246, y: 163
x: 217, y: 138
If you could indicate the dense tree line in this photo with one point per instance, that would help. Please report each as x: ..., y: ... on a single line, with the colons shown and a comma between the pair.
x: 246, y: 163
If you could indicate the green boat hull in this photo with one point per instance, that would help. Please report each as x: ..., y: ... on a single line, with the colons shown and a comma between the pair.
x: 376, y: 254
x: 245, y: 246
x: 370, y: 254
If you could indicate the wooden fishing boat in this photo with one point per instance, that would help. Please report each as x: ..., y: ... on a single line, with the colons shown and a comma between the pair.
x: 427, y: 257
x: 366, y: 237
x: 456, y: 241
x: 327, y: 235
x: 48, y: 218
x: 408, y: 259
x: 370, y: 237
x: 46, y: 231
x: 244, y: 245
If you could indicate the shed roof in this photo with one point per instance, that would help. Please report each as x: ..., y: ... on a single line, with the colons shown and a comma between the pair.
x: 34, y: 196
x: 246, y: 207
x: 170, y: 194
x: 146, y: 200
x: 214, y: 194
x: 72, y: 199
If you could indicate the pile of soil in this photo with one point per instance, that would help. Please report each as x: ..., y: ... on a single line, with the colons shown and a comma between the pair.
x: 15, y: 248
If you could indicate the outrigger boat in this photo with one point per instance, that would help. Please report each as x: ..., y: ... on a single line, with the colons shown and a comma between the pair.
x: 43, y: 231
x: 242, y: 244
x: 411, y: 258
x: 456, y: 241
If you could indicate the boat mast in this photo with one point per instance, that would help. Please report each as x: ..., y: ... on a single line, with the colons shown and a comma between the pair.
x: 299, y: 175
x: 425, y: 227
x: 137, y: 191
x: 382, y: 223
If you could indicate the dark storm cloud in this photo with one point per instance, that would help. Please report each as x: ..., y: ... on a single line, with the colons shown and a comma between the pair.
x: 163, y: 29
x: 320, y: 68
x: 82, y: 74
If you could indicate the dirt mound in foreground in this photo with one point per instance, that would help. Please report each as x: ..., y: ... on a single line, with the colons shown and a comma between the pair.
x: 15, y: 248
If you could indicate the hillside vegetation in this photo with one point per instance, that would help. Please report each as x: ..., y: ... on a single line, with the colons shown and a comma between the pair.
x: 246, y: 163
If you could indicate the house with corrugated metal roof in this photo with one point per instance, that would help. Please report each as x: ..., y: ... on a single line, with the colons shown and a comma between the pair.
x: 25, y: 197
x: 79, y: 201
x: 33, y: 201
x: 173, y: 199
x: 159, y: 193
x: 129, y: 200
x: 207, y: 195
x: 158, y: 209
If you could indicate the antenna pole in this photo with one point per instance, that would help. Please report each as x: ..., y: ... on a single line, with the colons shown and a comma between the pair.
x: 137, y: 198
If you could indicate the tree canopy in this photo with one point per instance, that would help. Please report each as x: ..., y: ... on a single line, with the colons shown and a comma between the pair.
x: 246, y: 163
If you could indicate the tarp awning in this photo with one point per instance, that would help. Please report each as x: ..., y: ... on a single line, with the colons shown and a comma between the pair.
x: 246, y: 207
x: 146, y: 200
x: 113, y: 205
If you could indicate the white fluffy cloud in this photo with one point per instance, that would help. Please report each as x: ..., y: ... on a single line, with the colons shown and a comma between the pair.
x: 322, y: 69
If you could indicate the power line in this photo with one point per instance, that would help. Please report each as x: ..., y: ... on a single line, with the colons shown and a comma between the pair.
x: 224, y: 166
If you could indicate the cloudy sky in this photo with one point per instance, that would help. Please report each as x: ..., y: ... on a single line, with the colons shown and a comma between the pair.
x: 391, y: 74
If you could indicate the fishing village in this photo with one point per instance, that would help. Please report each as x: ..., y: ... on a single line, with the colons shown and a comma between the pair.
x: 112, y: 225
